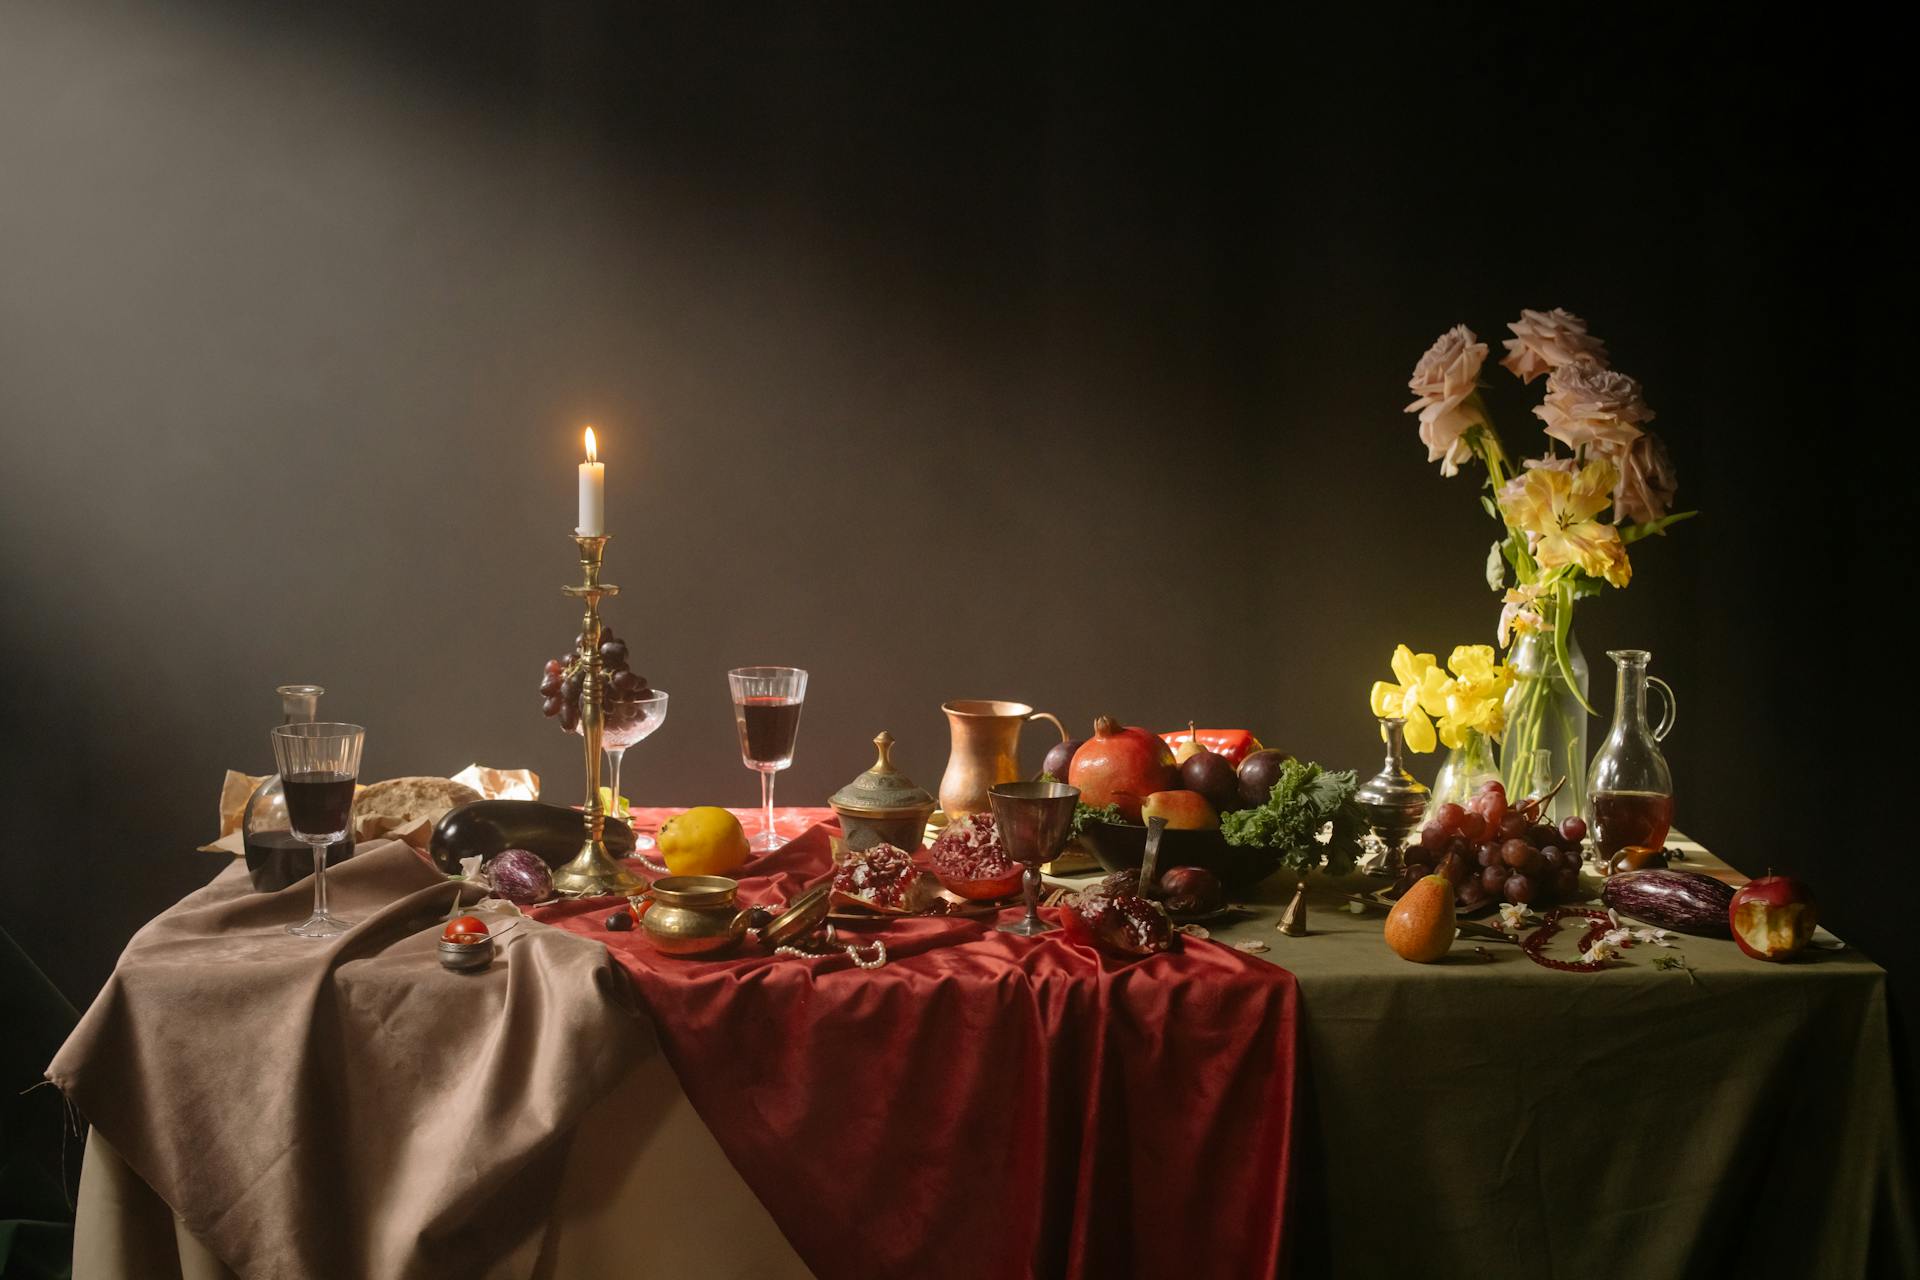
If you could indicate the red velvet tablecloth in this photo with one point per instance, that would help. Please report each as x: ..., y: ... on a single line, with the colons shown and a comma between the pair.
x: 987, y: 1105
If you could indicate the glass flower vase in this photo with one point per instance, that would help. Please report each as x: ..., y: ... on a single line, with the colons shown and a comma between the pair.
x: 1546, y: 713
x: 1465, y: 769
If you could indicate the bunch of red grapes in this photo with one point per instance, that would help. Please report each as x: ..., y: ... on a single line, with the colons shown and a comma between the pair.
x: 1495, y: 852
x: 622, y: 687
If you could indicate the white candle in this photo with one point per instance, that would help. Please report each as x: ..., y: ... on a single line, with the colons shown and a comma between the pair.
x: 593, y: 492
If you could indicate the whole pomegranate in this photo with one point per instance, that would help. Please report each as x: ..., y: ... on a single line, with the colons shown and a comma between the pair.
x: 1122, y: 765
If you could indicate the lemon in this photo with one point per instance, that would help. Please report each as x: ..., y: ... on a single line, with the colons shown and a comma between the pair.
x: 706, y: 841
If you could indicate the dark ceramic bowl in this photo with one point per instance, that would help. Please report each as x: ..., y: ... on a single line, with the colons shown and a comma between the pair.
x: 1121, y: 845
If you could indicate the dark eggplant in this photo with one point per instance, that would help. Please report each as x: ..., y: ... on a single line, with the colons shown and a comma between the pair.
x: 486, y: 827
x: 1685, y: 901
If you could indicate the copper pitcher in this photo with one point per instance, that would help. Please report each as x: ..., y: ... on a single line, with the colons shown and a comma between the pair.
x: 986, y: 750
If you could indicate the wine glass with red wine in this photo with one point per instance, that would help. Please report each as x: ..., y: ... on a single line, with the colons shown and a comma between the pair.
x: 319, y: 763
x: 766, y: 711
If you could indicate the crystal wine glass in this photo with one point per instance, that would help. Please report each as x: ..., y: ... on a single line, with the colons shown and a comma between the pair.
x: 766, y: 711
x: 624, y: 724
x: 319, y: 762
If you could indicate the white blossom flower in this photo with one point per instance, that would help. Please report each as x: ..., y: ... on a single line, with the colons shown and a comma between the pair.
x: 1602, y: 951
x: 1514, y: 916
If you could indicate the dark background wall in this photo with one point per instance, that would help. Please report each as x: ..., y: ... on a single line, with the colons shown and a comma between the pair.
x: 987, y: 353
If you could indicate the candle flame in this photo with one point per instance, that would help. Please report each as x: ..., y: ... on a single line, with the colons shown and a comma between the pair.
x: 593, y: 454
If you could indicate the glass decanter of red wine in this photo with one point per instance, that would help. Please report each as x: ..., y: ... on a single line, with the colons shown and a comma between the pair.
x: 319, y: 764
x: 766, y: 711
x: 1629, y: 787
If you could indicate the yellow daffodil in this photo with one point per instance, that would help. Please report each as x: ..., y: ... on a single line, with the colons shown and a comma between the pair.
x: 1421, y: 681
x: 1557, y: 509
x: 1476, y: 698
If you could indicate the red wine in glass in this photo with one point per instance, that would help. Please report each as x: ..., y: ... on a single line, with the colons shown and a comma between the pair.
x: 768, y: 727
x: 318, y: 762
x: 319, y: 805
x: 766, y: 711
x: 1630, y: 819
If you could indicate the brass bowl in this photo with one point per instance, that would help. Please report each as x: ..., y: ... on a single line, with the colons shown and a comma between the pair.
x: 692, y: 915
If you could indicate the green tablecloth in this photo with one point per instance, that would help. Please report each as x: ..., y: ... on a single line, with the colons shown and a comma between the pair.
x: 1491, y: 1117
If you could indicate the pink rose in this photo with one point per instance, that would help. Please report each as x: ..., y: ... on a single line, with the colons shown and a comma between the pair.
x: 1447, y: 383
x: 1544, y: 340
x: 1593, y: 408
x: 1647, y: 481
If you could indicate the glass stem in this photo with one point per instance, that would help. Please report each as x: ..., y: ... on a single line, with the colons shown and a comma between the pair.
x: 1032, y: 882
x: 766, y: 800
x: 614, y: 808
x: 319, y: 879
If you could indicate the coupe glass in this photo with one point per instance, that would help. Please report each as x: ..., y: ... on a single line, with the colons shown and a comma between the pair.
x: 319, y: 762
x: 766, y: 711
x: 625, y: 724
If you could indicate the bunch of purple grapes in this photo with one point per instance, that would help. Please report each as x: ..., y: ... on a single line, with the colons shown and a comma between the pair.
x: 623, y: 687
x: 1496, y: 852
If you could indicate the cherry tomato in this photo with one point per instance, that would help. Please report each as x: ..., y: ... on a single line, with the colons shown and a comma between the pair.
x: 465, y: 929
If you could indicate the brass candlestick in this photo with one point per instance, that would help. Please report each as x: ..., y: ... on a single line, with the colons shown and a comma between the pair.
x: 593, y: 871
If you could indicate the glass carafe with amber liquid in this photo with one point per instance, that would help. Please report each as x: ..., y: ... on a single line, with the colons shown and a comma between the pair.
x: 274, y: 853
x: 1629, y: 787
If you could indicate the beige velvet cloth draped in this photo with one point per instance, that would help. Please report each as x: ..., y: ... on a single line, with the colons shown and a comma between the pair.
x: 295, y: 1101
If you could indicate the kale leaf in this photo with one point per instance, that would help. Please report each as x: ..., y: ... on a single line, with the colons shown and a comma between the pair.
x: 1305, y: 801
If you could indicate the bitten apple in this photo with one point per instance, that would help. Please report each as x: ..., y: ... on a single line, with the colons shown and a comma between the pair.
x: 1183, y: 810
x: 1773, y: 917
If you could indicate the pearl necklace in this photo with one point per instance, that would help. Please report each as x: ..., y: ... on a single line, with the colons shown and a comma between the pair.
x: 878, y: 946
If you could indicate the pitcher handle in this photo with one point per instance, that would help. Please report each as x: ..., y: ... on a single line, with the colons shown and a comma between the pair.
x: 1051, y: 719
x: 1673, y: 707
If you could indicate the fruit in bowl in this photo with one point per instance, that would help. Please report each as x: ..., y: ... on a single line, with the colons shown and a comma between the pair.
x: 1233, y: 744
x: 1213, y: 776
x: 1121, y: 765
x: 1183, y: 810
x: 970, y: 862
x: 1257, y: 774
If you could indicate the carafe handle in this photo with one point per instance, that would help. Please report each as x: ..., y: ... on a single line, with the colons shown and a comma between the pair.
x: 1673, y: 707
x: 1051, y: 719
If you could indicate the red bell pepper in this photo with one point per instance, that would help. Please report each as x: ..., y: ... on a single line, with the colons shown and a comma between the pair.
x: 1235, y: 744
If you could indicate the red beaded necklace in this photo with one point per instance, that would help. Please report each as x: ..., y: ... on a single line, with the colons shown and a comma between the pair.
x: 1601, y: 924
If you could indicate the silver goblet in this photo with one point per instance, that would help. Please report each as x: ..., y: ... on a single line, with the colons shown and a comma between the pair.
x: 1034, y: 819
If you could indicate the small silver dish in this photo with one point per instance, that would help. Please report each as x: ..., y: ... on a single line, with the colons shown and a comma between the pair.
x: 466, y: 957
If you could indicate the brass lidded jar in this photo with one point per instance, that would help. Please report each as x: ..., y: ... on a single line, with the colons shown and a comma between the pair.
x: 883, y: 805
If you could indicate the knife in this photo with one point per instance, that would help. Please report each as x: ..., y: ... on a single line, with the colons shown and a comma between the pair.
x: 1150, y: 860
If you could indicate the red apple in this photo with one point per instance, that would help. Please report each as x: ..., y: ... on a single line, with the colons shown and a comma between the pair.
x: 1183, y: 810
x: 1773, y: 917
